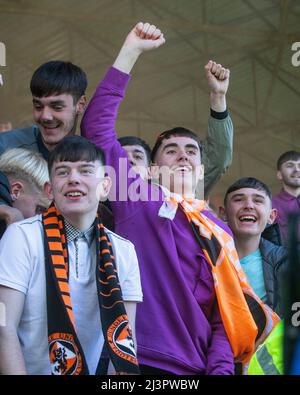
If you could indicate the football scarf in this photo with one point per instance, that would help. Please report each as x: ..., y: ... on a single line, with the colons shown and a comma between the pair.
x: 246, y: 319
x: 65, y: 352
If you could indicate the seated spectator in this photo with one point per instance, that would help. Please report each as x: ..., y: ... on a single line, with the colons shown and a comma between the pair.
x: 71, y: 286
x: 58, y: 97
x: 247, y: 210
x: 23, y: 175
x: 189, y: 267
x: 287, y: 201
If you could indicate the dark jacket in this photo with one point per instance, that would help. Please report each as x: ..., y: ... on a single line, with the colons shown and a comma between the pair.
x: 275, y: 262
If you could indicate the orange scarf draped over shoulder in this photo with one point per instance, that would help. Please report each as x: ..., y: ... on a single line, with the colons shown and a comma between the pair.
x: 246, y: 319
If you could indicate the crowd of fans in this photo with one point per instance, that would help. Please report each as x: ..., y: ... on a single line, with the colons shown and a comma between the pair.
x: 112, y: 261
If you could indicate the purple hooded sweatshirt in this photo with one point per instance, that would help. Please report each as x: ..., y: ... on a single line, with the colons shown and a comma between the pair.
x: 178, y: 325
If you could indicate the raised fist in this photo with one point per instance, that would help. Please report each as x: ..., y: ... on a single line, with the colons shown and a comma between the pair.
x: 144, y: 37
x: 217, y: 77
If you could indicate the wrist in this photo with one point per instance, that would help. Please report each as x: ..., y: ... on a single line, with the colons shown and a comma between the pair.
x: 126, y: 58
x: 218, y: 101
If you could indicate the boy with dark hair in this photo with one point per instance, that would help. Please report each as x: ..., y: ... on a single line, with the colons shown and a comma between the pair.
x: 71, y: 281
x: 132, y: 145
x: 247, y: 210
x: 58, y: 97
x: 189, y: 269
x: 287, y: 202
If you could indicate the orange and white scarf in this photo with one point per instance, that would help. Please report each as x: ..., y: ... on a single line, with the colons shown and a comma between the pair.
x: 246, y: 319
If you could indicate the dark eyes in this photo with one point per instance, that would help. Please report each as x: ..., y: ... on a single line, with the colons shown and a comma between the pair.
x: 189, y: 152
x: 55, y: 108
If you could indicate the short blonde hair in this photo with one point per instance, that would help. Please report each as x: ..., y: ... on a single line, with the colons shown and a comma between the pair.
x: 27, y: 165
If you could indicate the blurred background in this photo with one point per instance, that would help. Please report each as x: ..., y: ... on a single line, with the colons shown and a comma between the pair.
x: 252, y: 38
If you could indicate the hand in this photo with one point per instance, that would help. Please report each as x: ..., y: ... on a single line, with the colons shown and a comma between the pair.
x: 217, y: 77
x: 143, y: 37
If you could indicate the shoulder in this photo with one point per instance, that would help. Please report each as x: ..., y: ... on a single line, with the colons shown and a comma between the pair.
x: 272, y: 253
x: 278, y: 199
x: 29, y: 228
x: 218, y: 222
x: 26, y: 132
x: 19, y: 137
x: 118, y: 240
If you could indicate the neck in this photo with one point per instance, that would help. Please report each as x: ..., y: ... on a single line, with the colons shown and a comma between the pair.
x: 246, y: 245
x: 80, y: 222
x: 291, y: 191
x: 183, y: 190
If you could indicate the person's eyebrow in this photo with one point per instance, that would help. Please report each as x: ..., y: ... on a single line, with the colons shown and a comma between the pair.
x: 175, y: 145
x: 88, y: 165
x: 138, y: 151
x: 256, y: 195
x: 52, y: 102
x: 170, y: 145
x: 237, y: 195
x: 59, y: 167
x: 194, y: 146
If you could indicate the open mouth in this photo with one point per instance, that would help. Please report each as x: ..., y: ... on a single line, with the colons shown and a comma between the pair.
x: 74, y: 194
x: 248, y: 218
x: 49, y: 127
x: 183, y: 169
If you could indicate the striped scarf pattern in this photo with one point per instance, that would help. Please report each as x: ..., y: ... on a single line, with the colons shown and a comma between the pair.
x: 246, y: 319
x: 65, y: 351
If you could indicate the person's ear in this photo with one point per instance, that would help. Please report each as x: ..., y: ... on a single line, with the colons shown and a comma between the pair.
x: 48, y: 190
x: 104, y: 188
x: 200, y: 172
x: 222, y: 214
x: 279, y: 175
x: 153, y: 171
x: 81, y: 104
x: 16, y: 188
x: 273, y: 216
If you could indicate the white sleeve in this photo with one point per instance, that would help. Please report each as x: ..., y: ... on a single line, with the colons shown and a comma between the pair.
x: 131, y: 284
x: 15, y: 259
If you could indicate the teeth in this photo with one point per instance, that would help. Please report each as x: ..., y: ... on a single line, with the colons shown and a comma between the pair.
x: 74, y: 194
x: 248, y: 218
x: 50, y: 126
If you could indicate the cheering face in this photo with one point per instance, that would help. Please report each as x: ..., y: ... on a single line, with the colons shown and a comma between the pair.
x: 289, y: 173
x: 179, y: 162
x: 77, y: 187
x: 248, y: 211
x: 56, y: 116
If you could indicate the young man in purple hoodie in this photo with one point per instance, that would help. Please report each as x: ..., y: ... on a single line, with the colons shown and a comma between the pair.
x: 179, y: 325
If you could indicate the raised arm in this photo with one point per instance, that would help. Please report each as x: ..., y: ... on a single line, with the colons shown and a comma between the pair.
x: 98, y: 123
x: 217, y: 153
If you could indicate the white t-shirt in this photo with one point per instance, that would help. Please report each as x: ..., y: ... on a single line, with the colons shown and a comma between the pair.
x: 22, y: 267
